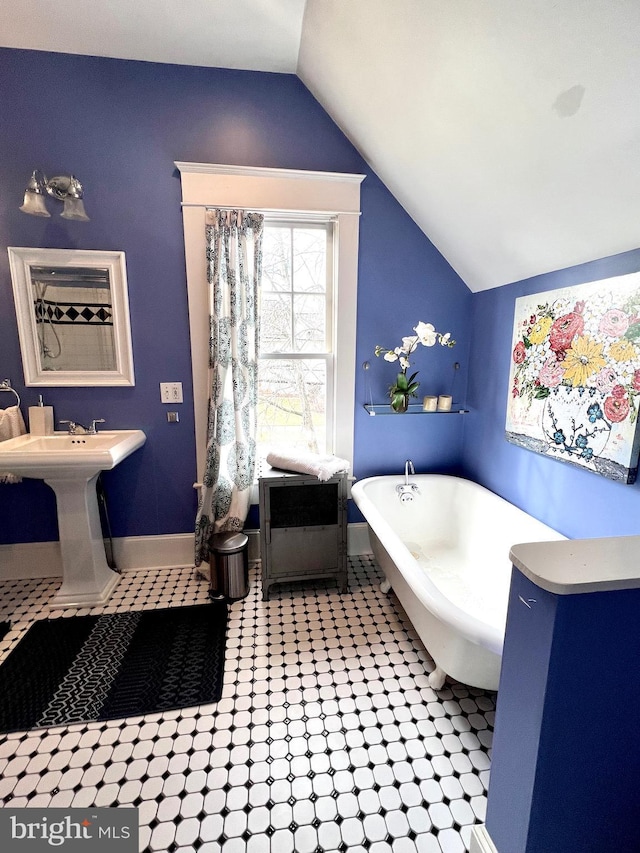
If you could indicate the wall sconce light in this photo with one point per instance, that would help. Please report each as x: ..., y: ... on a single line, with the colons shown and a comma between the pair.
x: 65, y: 188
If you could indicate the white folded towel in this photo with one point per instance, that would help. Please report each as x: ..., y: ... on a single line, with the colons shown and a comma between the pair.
x: 11, y: 426
x: 323, y: 467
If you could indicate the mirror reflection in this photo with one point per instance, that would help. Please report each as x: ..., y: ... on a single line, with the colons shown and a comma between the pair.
x: 74, y: 317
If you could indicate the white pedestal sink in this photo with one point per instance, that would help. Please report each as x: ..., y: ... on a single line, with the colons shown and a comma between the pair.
x: 70, y: 464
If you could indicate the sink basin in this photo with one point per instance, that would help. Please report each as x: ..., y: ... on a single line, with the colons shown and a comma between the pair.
x: 44, y: 456
x: 70, y: 465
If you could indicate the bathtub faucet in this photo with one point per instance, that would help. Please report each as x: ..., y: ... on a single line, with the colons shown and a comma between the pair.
x: 406, y: 490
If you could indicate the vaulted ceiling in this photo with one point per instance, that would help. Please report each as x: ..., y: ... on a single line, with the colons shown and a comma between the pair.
x: 510, y: 132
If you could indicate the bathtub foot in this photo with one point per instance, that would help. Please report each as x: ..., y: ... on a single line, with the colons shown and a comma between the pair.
x: 385, y: 586
x: 437, y: 678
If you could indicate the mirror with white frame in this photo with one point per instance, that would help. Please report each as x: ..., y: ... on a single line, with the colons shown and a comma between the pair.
x: 72, y: 309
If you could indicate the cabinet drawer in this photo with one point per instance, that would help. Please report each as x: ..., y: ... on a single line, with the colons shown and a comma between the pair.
x: 303, y: 550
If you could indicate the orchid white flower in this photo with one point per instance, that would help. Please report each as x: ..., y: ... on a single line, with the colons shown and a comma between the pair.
x: 426, y: 333
x: 406, y: 387
x: 409, y: 344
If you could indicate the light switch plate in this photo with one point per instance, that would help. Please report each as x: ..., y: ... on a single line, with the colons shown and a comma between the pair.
x: 171, y: 392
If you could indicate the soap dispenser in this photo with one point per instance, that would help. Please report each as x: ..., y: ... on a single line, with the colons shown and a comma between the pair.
x: 41, y: 419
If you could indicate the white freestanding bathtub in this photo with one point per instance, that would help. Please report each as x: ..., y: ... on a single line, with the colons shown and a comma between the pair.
x: 444, y: 550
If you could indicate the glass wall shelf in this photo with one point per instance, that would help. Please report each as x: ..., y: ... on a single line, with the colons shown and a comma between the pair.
x: 414, y: 409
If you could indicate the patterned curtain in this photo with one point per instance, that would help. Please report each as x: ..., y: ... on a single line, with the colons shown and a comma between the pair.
x: 234, y: 261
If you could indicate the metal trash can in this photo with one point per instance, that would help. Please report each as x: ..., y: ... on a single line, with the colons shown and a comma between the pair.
x: 229, y: 565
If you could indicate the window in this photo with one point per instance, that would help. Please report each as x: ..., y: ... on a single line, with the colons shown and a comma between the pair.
x: 334, y: 199
x: 295, y: 374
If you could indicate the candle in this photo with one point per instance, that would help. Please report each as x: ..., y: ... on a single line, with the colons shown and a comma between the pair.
x: 429, y: 404
x: 444, y: 403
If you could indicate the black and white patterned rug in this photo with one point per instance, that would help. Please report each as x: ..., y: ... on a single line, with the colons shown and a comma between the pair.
x: 86, y: 668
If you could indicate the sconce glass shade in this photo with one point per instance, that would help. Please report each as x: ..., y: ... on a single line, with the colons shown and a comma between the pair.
x: 64, y: 188
x: 74, y: 209
x: 34, y: 204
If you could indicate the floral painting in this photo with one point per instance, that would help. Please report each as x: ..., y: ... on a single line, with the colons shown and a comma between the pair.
x: 574, y: 383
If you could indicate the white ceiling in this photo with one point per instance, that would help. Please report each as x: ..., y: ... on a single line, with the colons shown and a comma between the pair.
x: 257, y: 35
x: 509, y: 131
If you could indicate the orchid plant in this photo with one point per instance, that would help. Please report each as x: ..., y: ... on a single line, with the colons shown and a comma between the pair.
x: 406, y: 386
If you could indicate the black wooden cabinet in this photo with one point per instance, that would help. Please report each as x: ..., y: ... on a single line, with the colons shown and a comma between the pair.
x: 303, y: 528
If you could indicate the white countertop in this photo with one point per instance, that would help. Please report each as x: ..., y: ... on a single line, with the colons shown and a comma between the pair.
x: 572, y: 566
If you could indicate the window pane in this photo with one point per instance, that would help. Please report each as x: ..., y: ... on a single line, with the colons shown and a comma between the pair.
x: 276, y: 322
x: 292, y: 404
x: 276, y: 259
x: 309, y: 323
x: 309, y: 259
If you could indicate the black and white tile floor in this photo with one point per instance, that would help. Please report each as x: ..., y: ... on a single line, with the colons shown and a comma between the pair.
x: 327, y: 737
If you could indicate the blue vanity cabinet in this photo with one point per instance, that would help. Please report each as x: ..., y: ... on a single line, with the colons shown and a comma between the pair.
x: 565, y: 769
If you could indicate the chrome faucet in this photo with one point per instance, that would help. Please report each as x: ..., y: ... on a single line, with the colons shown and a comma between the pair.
x: 408, y: 469
x: 78, y: 429
x: 407, y: 490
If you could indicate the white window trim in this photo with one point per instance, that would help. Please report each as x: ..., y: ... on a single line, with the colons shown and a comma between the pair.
x: 285, y: 191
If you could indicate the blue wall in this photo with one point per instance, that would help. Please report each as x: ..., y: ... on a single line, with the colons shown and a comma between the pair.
x: 404, y: 279
x: 119, y: 126
x: 576, y: 502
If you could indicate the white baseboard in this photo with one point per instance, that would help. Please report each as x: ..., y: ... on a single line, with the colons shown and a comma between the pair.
x: 131, y: 553
x: 30, y: 560
x: 137, y: 553
x: 134, y: 553
x: 481, y: 840
x: 358, y: 539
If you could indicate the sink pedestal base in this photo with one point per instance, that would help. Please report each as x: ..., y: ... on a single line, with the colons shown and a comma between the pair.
x: 87, y: 579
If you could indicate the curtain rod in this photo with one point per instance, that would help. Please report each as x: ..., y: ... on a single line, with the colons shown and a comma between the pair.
x: 276, y: 211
